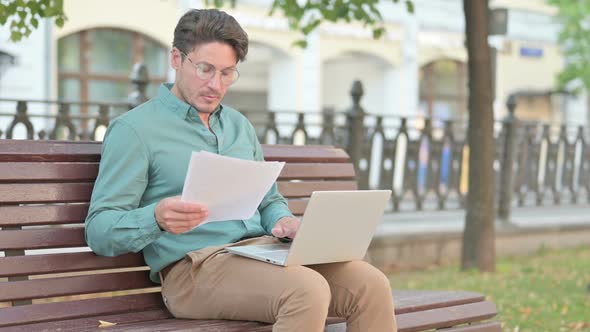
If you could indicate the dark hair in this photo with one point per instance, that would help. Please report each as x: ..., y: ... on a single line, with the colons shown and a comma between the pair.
x: 198, y: 26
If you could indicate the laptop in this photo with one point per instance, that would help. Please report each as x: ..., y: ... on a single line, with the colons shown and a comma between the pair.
x: 337, y: 226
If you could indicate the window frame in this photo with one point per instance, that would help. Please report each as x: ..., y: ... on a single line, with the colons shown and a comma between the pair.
x: 430, y: 96
x: 84, y: 76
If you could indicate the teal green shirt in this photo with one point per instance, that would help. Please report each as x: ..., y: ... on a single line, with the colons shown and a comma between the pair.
x: 145, y: 157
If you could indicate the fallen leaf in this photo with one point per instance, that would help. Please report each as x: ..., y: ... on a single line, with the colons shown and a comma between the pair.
x: 526, y: 310
x: 579, y: 326
x: 103, y: 323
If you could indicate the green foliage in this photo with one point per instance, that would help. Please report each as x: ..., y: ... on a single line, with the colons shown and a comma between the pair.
x: 306, y: 15
x: 303, y: 15
x: 545, y: 292
x: 575, y: 40
x: 24, y: 15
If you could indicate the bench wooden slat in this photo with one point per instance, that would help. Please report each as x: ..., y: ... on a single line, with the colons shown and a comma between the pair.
x: 45, y: 151
x: 446, y: 316
x: 304, y: 189
x: 317, y: 171
x: 405, y: 302
x: 49, y: 151
x: 43, y: 214
x: 297, y: 206
x: 419, y: 300
x: 20, y: 215
x: 409, y: 322
x: 64, y: 237
x: 79, y: 324
x: 484, y: 327
x: 46, y: 312
x: 53, y: 287
x: 66, y: 262
x: 151, y: 320
x: 148, y: 321
x: 30, y: 193
x: 173, y: 325
x: 307, y: 153
x: 63, y: 171
x: 75, y: 171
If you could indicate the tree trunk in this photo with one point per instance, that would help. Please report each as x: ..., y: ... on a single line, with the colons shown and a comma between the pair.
x: 479, y: 235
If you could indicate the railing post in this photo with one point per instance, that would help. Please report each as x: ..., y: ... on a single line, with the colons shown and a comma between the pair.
x: 507, y: 166
x: 355, y: 125
x: 271, y: 127
x: 21, y: 116
x: 63, y: 119
x: 102, y: 120
x: 328, y: 136
x: 139, y: 80
x: 299, y: 128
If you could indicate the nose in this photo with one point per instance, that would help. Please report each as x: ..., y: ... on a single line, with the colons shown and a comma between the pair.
x: 215, y: 81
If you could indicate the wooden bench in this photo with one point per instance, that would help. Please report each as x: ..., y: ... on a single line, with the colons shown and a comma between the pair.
x: 49, y: 280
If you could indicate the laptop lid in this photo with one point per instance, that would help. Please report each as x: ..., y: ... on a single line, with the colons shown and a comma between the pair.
x: 337, y: 226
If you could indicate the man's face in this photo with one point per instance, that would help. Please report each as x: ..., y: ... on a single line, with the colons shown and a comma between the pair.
x: 193, y: 85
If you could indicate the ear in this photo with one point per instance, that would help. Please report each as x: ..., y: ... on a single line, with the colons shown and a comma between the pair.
x: 175, y: 58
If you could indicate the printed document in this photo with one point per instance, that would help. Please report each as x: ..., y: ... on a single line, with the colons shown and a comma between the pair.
x: 231, y: 188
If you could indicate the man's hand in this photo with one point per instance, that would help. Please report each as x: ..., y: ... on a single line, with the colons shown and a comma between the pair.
x: 286, y: 227
x: 175, y: 216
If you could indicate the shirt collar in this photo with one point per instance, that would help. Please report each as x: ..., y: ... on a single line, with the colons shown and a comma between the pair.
x: 179, y: 107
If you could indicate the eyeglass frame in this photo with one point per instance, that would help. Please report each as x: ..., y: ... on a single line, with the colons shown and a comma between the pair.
x: 196, y: 65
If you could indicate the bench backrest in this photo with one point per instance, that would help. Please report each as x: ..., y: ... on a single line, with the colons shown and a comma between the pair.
x: 47, y: 272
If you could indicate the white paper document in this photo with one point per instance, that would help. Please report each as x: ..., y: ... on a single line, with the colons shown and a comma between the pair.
x: 231, y: 188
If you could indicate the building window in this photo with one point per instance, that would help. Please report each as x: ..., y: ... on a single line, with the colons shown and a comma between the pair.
x: 443, y: 89
x: 94, y: 65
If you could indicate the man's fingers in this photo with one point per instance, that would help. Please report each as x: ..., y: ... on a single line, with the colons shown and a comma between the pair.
x: 286, y: 227
x: 284, y: 231
x: 176, y: 216
x: 290, y: 233
x: 187, y: 207
x: 177, y: 223
x: 173, y: 216
x: 278, y: 231
x: 181, y: 226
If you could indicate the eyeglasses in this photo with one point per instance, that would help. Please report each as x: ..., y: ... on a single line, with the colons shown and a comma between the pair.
x: 206, y: 71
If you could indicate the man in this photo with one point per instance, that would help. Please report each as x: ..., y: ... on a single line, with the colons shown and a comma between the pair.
x: 135, y: 204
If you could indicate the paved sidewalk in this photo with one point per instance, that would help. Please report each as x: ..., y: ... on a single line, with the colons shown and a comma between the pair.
x: 412, y: 222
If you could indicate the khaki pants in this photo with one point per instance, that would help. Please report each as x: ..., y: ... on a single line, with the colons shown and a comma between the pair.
x: 213, y: 284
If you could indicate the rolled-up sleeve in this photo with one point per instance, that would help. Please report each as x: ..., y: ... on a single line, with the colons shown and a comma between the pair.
x: 116, y: 224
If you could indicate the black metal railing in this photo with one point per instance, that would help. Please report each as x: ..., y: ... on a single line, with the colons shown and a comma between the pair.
x: 424, y: 161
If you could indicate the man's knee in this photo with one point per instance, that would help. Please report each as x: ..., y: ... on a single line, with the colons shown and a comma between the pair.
x: 308, y: 290
x: 368, y: 279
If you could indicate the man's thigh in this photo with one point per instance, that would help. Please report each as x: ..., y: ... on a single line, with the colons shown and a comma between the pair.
x: 226, y: 286
x: 352, y: 284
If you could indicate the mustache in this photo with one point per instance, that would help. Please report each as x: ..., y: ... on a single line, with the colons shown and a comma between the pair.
x: 210, y: 93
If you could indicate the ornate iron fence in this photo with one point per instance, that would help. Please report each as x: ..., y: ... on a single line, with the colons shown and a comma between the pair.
x: 423, y: 161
